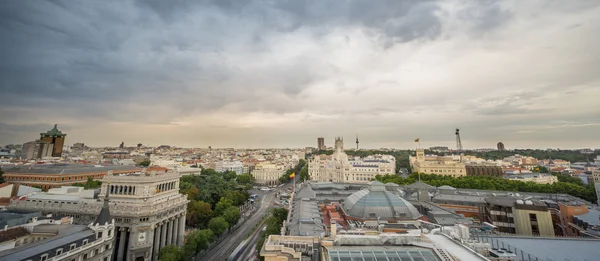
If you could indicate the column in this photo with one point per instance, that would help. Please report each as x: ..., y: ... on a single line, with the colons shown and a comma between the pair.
x: 175, y: 231
x: 163, y: 235
x: 181, y: 233
x: 122, y: 239
x: 170, y: 232
x: 156, y: 242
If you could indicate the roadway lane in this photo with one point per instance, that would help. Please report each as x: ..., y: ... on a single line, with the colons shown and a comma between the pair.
x: 232, y: 241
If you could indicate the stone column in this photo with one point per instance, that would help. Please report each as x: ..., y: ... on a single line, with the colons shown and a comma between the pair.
x: 181, y: 233
x: 163, y: 240
x: 156, y: 242
x: 122, y: 249
x: 175, y: 231
x: 170, y: 233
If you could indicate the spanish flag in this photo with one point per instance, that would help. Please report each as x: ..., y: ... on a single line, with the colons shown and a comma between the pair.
x: 417, y: 140
x: 292, y: 175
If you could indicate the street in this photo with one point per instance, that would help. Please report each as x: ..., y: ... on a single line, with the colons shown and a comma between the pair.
x: 232, y: 241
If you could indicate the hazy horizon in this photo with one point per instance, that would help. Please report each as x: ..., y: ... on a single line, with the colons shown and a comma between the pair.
x: 260, y: 74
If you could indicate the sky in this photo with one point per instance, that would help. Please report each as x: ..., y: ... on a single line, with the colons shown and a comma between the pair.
x: 266, y: 73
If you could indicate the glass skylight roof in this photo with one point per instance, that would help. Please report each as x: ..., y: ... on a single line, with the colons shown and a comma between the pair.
x: 404, y: 254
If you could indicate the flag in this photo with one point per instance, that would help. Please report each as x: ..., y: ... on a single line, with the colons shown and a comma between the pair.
x: 292, y: 175
x: 417, y: 140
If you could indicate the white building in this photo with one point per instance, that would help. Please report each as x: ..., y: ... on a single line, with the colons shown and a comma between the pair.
x: 440, y: 165
x: 233, y: 165
x: 537, y: 178
x: 339, y: 168
x: 268, y: 173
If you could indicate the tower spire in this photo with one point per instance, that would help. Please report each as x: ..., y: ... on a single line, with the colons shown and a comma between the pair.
x: 356, y: 142
x: 104, y: 215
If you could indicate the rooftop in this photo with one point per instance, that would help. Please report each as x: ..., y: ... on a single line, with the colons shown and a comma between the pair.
x: 377, y: 253
x: 54, y: 169
x: 69, y: 234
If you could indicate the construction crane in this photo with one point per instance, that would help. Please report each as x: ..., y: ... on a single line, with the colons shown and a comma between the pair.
x: 459, y: 146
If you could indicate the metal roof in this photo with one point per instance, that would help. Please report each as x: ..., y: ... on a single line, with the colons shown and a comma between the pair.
x: 572, y: 249
x: 371, y: 253
x: 369, y: 204
x: 66, y: 168
x: 74, y: 233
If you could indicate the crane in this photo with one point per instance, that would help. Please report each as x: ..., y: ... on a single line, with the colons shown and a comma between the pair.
x: 459, y: 146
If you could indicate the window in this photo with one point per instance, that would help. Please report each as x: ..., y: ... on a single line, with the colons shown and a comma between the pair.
x: 44, y: 257
x: 532, y: 217
x: 97, y: 251
x: 99, y: 235
x: 85, y: 256
x: 58, y: 251
x: 85, y: 241
x: 73, y: 246
x: 109, y: 232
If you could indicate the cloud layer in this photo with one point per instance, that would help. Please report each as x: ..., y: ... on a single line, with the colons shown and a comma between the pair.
x: 280, y: 73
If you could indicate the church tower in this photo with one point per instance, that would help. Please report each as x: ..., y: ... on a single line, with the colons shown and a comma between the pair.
x: 339, y: 145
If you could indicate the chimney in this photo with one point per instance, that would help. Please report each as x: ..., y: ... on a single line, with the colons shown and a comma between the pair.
x: 333, y: 229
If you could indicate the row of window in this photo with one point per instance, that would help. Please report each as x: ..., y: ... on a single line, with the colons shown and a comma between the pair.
x: 38, y: 178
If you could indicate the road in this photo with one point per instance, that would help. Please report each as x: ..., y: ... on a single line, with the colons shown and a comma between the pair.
x: 227, y: 245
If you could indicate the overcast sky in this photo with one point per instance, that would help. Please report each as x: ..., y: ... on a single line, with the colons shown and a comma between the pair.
x: 270, y: 73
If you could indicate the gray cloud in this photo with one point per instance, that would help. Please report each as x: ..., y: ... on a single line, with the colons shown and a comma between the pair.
x: 250, y: 64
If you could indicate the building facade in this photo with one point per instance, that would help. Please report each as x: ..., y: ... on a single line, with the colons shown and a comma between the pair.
x: 56, y: 138
x: 52, y: 176
x: 235, y: 166
x: 484, y: 170
x: 439, y: 165
x: 515, y: 216
x: 268, y: 173
x: 321, y: 143
x: 338, y: 167
x: 37, y: 150
x: 148, y: 209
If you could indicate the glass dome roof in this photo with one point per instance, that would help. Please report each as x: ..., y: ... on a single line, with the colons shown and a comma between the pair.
x: 377, y: 202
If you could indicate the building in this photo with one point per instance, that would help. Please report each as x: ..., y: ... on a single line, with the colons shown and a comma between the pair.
x: 534, y: 177
x: 56, y: 138
x: 267, y: 173
x: 321, y: 143
x: 596, y: 175
x: 484, y: 169
x: 587, y: 224
x: 377, y: 203
x: 37, y: 149
x: 56, y: 240
x: 116, y: 155
x: 233, y: 165
x: 338, y: 167
x: 516, y: 216
x: 48, y: 176
x: 500, y: 146
x: 149, y: 212
x: 439, y: 165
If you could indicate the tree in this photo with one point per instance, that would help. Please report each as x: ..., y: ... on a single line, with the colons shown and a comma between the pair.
x: 229, y: 175
x: 218, y: 225
x: 170, y: 253
x: 145, y: 163
x: 195, y: 242
x: 222, y: 205
x: 232, y: 216
x: 199, y: 213
x: 245, y: 179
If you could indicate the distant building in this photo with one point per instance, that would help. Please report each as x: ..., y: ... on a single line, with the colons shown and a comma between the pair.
x: 500, y: 146
x: 49, y: 176
x: 267, y: 173
x: 116, y: 155
x: 439, y: 165
x: 338, y: 167
x: 484, y: 170
x: 234, y: 165
x: 538, y: 178
x: 439, y: 148
x: 78, y: 146
x: 321, y: 143
x: 38, y: 149
x: 56, y: 138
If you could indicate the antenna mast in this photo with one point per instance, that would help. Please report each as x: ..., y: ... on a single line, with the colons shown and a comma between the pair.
x: 356, y: 142
x: 459, y: 146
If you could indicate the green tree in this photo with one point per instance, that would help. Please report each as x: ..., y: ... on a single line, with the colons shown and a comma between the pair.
x: 170, y: 253
x: 195, y: 242
x: 222, y: 205
x: 229, y: 175
x: 231, y: 215
x: 245, y: 179
x: 218, y: 225
x: 199, y: 213
x: 145, y: 163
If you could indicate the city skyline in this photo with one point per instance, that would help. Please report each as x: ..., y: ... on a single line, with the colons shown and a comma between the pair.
x: 254, y: 74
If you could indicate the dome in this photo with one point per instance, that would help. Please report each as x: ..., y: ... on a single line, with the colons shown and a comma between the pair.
x: 377, y: 202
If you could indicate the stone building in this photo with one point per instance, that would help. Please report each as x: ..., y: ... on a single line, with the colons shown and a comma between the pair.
x: 338, y: 167
x: 267, y: 173
x: 439, y: 165
x: 56, y: 138
x: 148, y: 209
